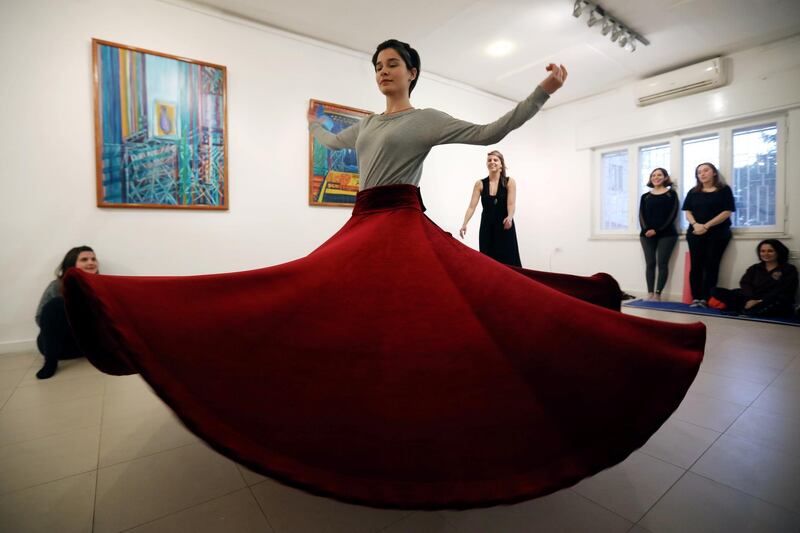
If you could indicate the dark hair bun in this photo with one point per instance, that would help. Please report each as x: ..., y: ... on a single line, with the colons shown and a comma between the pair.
x: 410, y: 57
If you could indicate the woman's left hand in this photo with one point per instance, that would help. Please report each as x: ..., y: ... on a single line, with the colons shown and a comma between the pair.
x: 557, y: 77
x: 751, y: 303
x: 507, y: 223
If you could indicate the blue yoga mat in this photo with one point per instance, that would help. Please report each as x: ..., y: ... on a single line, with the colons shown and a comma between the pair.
x: 677, y: 307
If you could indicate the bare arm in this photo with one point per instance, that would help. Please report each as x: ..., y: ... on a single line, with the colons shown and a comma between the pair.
x: 719, y: 219
x: 473, y: 203
x: 697, y: 229
x: 511, y: 204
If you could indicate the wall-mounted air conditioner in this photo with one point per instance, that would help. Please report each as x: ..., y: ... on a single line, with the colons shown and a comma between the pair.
x: 688, y: 80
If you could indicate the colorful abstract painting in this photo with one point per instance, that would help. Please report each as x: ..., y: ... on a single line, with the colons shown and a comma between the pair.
x: 160, y: 130
x: 333, y: 174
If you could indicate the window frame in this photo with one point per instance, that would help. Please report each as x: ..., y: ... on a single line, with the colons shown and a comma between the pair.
x: 675, y: 140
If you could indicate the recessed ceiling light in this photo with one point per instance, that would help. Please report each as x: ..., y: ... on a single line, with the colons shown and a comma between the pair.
x: 500, y: 48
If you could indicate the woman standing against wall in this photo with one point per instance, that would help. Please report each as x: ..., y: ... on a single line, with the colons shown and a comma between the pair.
x: 498, y: 195
x: 658, y: 209
x: 708, y: 207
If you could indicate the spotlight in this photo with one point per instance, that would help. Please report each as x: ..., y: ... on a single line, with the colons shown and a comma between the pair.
x: 608, y: 24
x: 578, y: 9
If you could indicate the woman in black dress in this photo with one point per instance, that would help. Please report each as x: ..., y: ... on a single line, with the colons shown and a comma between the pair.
x: 498, y: 194
x: 708, y: 207
x: 657, y: 211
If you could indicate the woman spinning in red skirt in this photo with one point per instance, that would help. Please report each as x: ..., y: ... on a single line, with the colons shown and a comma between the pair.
x: 378, y: 369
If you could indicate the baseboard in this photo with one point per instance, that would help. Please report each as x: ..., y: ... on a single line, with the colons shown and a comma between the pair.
x: 17, y: 346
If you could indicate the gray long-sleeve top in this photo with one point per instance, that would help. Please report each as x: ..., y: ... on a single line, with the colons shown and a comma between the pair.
x: 392, y: 148
x: 53, y: 290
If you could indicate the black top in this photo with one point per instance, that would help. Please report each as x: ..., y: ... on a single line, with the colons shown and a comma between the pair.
x: 706, y: 205
x: 779, y: 284
x: 658, y: 212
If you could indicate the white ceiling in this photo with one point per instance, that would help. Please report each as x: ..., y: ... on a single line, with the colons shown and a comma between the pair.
x: 452, y: 35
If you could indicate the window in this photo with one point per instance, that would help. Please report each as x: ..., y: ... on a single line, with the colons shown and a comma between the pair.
x: 615, y: 191
x: 754, y: 186
x: 747, y: 154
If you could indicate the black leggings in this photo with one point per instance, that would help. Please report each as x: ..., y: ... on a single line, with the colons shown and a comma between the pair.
x: 657, y: 251
x: 734, y: 301
x: 55, y: 340
x: 706, y: 254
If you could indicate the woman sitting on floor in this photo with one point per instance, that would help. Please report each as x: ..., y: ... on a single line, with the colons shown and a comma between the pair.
x: 767, y: 288
x: 55, y: 340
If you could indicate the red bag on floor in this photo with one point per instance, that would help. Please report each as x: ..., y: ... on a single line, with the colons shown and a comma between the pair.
x: 716, y: 304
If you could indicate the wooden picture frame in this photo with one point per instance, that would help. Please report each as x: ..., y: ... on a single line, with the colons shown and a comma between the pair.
x: 161, y: 129
x: 333, y: 175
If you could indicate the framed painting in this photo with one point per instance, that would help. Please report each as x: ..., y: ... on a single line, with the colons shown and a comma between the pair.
x: 333, y: 174
x: 161, y: 135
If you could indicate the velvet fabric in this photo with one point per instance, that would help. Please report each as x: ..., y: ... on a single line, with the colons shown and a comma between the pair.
x: 394, y: 366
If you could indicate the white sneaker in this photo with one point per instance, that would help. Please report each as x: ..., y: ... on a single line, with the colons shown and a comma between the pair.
x: 695, y: 303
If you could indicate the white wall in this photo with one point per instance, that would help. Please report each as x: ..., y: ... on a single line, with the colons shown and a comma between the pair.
x: 764, y: 80
x: 47, y: 176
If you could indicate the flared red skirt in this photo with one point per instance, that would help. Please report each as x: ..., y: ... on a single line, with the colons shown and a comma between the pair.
x: 394, y: 366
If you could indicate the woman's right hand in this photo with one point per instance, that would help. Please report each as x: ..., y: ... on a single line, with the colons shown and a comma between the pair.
x: 698, y: 229
x: 462, y: 231
x: 650, y: 233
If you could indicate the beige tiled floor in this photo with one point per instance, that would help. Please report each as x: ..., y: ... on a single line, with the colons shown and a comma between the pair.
x: 89, y: 452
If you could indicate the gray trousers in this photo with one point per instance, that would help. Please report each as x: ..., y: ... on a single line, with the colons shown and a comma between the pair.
x: 657, y: 251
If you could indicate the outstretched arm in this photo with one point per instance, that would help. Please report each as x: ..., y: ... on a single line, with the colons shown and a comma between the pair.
x: 451, y: 130
x: 335, y: 141
x: 473, y: 203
